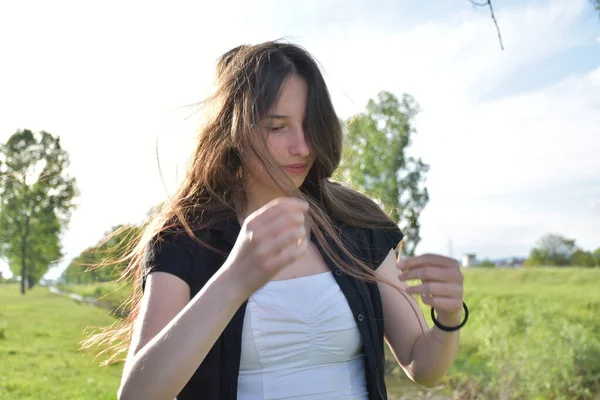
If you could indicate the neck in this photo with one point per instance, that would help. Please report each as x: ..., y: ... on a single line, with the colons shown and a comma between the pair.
x: 259, y: 198
x: 256, y: 197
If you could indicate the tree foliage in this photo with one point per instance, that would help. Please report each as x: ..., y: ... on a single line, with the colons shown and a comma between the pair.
x: 557, y: 250
x: 486, y: 264
x: 104, y: 261
x: 36, y: 202
x: 376, y: 163
x: 596, y: 253
x: 582, y: 258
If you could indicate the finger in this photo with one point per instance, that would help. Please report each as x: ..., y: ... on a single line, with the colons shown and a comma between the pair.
x: 283, y: 223
x: 427, y: 259
x: 431, y: 273
x: 444, y: 304
x: 283, y: 205
x: 274, y: 209
x: 289, y: 237
x: 287, y: 255
x: 273, y: 224
x: 436, y: 289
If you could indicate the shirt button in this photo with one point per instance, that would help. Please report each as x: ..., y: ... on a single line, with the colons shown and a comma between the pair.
x: 360, y: 317
x: 338, y: 272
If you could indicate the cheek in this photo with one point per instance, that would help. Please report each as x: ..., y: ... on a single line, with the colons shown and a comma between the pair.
x: 276, y: 146
x: 254, y: 166
x: 253, y: 163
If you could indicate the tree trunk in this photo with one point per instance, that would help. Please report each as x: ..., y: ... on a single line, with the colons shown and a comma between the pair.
x: 24, y: 256
x: 23, y: 271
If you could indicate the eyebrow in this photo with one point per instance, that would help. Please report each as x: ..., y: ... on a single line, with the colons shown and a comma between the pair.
x: 276, y: 116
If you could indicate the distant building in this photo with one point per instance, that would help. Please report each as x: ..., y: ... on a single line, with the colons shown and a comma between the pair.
x: 514, y: 262
x: 469, y: 260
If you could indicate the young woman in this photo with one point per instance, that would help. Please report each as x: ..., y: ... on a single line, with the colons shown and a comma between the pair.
x: 261, y: 278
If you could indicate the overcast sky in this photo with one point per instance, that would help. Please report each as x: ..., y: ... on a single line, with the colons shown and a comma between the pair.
x: 512, y: 137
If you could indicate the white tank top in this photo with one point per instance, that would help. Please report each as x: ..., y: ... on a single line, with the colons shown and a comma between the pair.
x: 300, y: 340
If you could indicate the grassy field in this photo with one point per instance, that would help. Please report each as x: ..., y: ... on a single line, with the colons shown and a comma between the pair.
x: 533, y: 334
x: 39, y: 338
x: 111, y: 291
x: 110, y: 294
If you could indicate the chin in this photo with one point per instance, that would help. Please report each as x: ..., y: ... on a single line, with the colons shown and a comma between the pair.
x: 298, y: 181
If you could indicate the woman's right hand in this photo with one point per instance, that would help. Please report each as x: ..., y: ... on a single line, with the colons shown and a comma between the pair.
x: 271, y: 238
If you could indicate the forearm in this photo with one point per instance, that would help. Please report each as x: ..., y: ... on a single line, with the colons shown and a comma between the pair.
x: 164, y: 365
x: 435, y: 351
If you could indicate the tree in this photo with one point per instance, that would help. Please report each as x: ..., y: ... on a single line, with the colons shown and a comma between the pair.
x: 486, y: 264
x: 102, y: 263
x: 552, y: 250
x: 36, y: 202
x: 43, y: 249
x: 582, y: 258
x: 597, y: 251
x: 75, y: 272
x: 375, y: 161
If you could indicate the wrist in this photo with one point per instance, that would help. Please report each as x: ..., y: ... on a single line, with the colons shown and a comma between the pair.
x: 231, y: 286
x: 449, y: 318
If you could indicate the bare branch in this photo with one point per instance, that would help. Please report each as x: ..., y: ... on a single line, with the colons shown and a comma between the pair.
x: 488, y: 3
x: 496, y: 23
x: 478, y: 4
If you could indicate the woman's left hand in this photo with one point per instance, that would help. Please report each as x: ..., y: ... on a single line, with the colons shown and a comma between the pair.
x: 441, y: 283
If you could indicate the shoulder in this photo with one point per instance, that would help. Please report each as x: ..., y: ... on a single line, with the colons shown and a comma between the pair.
x: 178, y: 253
x: 373, y: 243
x: 200, y: 237
x: 349, y: 207
x: 166, y: 243
x: 365, y: 228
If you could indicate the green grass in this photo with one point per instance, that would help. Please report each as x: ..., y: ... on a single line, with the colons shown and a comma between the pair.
x: 39, y: 340
x: 532, y: 334
x: 111, y: 293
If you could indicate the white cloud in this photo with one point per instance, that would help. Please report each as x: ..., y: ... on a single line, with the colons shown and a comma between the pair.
x: 448, y: 60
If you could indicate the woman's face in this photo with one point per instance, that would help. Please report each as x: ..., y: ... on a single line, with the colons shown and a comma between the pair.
x: 285, y: 140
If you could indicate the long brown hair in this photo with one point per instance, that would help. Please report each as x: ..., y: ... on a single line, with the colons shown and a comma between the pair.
x: 248, y: 82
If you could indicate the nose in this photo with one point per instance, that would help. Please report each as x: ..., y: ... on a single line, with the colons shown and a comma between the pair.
x: 299, y: 146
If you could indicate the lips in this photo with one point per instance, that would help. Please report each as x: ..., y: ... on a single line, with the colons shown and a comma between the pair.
x: 295, y: 168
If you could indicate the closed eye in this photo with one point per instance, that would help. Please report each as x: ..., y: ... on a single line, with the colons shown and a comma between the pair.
x: 276, y: 128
